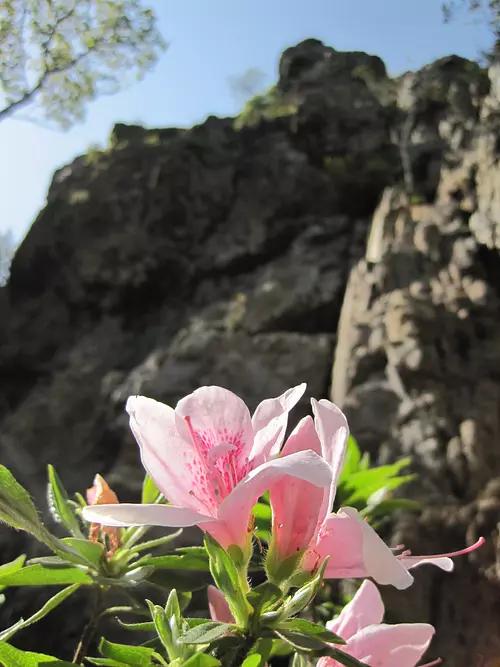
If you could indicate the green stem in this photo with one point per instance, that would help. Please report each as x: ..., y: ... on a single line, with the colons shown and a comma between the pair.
x: 241, y: 654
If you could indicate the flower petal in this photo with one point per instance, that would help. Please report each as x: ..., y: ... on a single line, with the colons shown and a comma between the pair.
x: 218, y: 605
x: 235, y: 509
x: 333, y: 431
x: 269, y: 424
x: 170, y: 460
x: 379, y: 560
x: 366, y: 608
x: 391, y: 645
x: 356, y: 551
x: 218, y: 417
x: 130, y: 514
x: 296, y: 504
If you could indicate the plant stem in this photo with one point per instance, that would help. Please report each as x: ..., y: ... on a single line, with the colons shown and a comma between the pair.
x: 241, y: 654
x: 90, y: 628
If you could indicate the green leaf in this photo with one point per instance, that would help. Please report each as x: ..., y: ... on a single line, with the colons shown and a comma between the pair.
x: 304, y: 595
x: 260, y: 652
x: 47, y: 607
x: 150, y: 492
x: 174, y: 562
x: 300, y: 641
x: 201, y: 552
x: 59, y: 504
x: 202, y: 660
x: 17, y: 510
x: 302, y: 626
x: 344, y: 658
x: 386, y: 507
x: 147, y: 626
x: 226, y: 577
x: 93, y: 552
x: 9, y: 568
x: 16, y: 507
x: 107, y: 662
x: 352, y: 459
x: 164, y: 631
x: 38, y: 575
x: 160, y: 541
x: 130, y: 655
x: 14, y: 657
x: 362, y: 484
x: 207, y: 632
x: 263, y: 596
x: 12, y: 566
x: 252, y: 661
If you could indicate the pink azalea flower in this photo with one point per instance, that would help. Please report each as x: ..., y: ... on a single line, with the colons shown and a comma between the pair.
x: 302, y: 519
x: 212, y: 461
x: 373, y: 642
x: 298, y: 507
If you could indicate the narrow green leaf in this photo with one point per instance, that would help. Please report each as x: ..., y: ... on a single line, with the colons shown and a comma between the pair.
x: 173, y: 562
x: 344, y: 658
x: 305, y: 627
x: 38, y: 575
x: 91, y: 551
x: 207, y: 632
x: 263, y: 596
x: 130, y: 655
x: 352, y: 459
x: 49, y: 561
x: 16, y: 507
x: 386, y: 507
x: 12, y: 566
x: 164, y: 631
x: 202, y: 660
x: 14, y: 657
x: 151, y: 544
x: 150, y: 492
x: 147, y: 626
x: 59, y: 504
x: 106, y: 662
x: 301, y: 642
x: 47, y: 607
x: 226, y: 577
x: 193, y: 551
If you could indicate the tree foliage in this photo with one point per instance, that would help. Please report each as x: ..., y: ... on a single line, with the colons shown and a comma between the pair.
x: 487, y: 9
x: 57, y: 55
x: 248, y: 84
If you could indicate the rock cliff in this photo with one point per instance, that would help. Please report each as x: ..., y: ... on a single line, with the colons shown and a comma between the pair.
x: 351, y: 219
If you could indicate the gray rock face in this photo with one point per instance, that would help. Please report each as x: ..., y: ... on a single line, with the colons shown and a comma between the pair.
x: 177, y: 258
x: 416, y: 371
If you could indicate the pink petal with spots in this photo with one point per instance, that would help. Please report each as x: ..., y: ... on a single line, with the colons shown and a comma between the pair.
x: 269, y: 422
x: 391, y: 645
x: 235, y: 510
x: 171, y: 460
x: 221, y: 429
x: 356, y: 551
x: 129, y: 514
x: 333, y: 432
x: 218, y: 605
x: 296, y: 503
x: 366, y: 608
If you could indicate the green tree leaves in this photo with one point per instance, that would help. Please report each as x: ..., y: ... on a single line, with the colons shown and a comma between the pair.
x: 60, y: 55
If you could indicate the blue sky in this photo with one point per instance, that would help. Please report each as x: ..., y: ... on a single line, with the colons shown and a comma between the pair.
x: 209, y: 41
